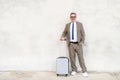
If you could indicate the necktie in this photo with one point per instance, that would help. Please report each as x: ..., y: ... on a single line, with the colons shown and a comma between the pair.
x: 72, y: 31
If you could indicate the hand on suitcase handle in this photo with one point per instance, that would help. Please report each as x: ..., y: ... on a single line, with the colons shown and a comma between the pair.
x: 63, y: 39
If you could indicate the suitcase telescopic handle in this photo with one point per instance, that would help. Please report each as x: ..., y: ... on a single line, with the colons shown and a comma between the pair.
x: 62, y: 57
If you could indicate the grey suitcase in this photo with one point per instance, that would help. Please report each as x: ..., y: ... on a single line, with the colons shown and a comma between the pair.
x: 62, y: 66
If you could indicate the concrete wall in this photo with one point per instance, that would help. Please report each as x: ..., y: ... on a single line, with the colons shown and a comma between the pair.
x: 30, y: 32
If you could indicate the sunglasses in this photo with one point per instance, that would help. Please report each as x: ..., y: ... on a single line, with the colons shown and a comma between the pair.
x: 72, y: 16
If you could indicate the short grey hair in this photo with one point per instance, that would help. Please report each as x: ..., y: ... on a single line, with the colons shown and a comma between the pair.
x: 73, y: 13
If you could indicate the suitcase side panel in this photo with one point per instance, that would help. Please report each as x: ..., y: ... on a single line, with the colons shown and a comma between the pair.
x: 62, y: 65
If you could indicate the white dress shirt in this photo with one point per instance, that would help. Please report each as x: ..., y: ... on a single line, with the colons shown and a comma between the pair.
x: 75, y: 32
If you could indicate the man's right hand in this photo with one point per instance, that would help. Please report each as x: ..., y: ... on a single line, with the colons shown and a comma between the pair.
x: 62, y: 38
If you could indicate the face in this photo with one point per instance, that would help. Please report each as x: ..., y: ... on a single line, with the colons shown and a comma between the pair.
x: 73, y: 17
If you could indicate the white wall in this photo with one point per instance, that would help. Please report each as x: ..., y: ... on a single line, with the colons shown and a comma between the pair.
x: 30, y: 32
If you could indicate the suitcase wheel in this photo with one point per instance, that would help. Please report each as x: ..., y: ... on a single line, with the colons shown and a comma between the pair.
x: 66, y: 75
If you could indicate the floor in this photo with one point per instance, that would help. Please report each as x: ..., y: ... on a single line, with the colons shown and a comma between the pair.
x: 35, y: 75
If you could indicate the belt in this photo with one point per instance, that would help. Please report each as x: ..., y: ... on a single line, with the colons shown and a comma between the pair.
x: 74, y: 42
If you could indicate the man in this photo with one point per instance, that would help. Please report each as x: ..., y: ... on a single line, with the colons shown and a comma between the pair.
x: 75, y: 36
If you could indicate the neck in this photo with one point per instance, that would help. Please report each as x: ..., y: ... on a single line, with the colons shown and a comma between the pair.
x: 73, y: 21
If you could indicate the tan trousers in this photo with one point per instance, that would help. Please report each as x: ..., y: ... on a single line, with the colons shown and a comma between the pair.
x: 73, y: 50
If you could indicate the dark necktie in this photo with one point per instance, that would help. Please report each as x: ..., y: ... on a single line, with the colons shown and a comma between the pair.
x: 72, y: 31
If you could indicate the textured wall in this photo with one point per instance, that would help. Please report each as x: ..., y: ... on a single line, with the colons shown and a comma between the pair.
x: 30, y: 32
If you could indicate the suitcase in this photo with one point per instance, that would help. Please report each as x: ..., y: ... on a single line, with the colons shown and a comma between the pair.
x: 62, y: 66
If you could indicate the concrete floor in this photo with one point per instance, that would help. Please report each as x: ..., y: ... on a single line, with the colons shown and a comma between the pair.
x: 27, y: 75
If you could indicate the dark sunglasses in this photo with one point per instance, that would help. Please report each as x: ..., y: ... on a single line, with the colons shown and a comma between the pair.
x: 72, y: 16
